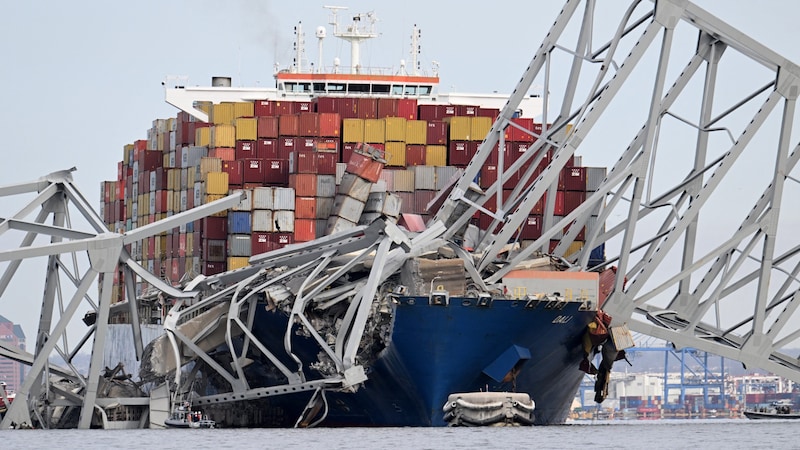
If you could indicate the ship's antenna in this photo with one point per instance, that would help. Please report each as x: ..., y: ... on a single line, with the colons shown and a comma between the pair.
x: 416, y: 34
x: 299, y: 48
x: 320, y: 36
x: 354, y: 33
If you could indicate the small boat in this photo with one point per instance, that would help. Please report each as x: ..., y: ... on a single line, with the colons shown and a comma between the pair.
x: 780, y: 409
x: 183, y: 417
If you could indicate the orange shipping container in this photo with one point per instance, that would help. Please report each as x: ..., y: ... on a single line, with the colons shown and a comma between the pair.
x: 308, y: 124
x: 305, y: 208
x: 267, y: 127
x: 330, y: 124
x: 289, y: 125
x: 305, y: 229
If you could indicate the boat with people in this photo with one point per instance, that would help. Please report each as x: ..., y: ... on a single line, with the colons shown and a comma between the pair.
x: 779, y: 409
x: 184, y: 417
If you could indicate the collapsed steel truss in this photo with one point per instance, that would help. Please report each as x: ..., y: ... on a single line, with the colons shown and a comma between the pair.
x: 741, y: 308
x: 704, y: 238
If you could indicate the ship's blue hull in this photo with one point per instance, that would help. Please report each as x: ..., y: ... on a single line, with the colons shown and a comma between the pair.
x: 435, y: 351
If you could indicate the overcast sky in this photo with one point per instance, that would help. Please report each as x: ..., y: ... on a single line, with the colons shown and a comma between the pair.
x: 81, y: 79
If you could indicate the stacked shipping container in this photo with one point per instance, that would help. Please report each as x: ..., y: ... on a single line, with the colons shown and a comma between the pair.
x: 304, y: 177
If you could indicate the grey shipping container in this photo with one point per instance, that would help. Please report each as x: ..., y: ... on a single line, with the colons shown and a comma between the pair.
x: 262, y: 220
x: 239, y: 245
x: 336, y: 224
x: 326, y: 186
x: 283, y: 199
x: 340, y: 170
x: 284, y: 221
x: 348, y: 208
x: 404, y: 180
x: 324, y: 208
x: 247, y: 203
x: 594, y: 176
x: 445, y: 174
x: 355, y: 187
x: 424, y: 178
x: 262, y: 198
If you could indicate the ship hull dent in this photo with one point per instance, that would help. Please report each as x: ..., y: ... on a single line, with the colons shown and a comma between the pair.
x: 433, y: 351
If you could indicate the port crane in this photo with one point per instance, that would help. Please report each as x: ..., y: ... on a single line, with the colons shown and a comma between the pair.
x: 697, y: 209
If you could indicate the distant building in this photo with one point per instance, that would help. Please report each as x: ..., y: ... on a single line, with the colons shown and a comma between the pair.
x: 11, y: 372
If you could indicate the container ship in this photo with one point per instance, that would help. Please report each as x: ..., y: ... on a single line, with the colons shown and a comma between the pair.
x: 325, y: 159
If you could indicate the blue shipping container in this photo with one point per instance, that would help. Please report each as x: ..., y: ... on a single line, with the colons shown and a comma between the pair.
x: 239, y: 222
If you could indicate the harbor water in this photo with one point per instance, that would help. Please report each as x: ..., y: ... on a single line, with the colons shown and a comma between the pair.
x: 657, y: 434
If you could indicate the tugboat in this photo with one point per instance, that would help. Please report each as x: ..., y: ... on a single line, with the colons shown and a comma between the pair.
x: 183, y: 417
x: 780, y: 409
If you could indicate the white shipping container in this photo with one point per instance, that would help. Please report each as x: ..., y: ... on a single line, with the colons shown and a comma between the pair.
x: 340, y: 170
x: 262, y: 198
x: 198, y: 193
x: 348, y: 208
x: 172, y: 159
x: 239, y: 245
x: 184, y: 200
x: 326, y: 186
x: 172, y: 140
x: 594, y: 176
x: 283, y: 199
x: 445, y: 174
x: 379, y: 186
x: 284, y: 221
x: 404, y: 180
x: 392, y: 205
x: 355, y: 187
x: 247, y: 203
x: 262, y: 221
x: 152, y: 181
x: 336, y: 224
x: 324, y: 208
x: 424, y: 178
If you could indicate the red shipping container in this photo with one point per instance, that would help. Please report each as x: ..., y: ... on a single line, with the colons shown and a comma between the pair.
x: 182, y: 244
x: 581, y: 234
x: 235, y: 171
x: 574, y: 178
x: 488, y: 176
x: 151, y: 247
x: 415, y: 155
x: 327, y: 104
x: 347, y: 151
x: 284, y: 107
x: 461, y: 152
x: 185, y: 133
x: 330, y: 124
x: 264, y: 108
x: 282, y: 239
x: 305, y: 144
x: 161, y: 200
x: 276, y: 172
x: 253, y: 170
x: 308, y: 124
x: 367, y: 108
x: 304, y: 184
x: 302, y: 162
x: 140, y: 144
x: 303, y: 107
x: 559, y: 209
x: 407, y: 108
x: 305, y: 208
x: 437, y: 133
x: 246, y: 149
x: 223, y: 153
x: 214, y: 228
x: 190, y: 198
x: 326, y: 163
x: 267, y: 148
x: 286, y: 145
x: 387, y: 107
x: 260, y: 243
x: 150, y: 160
x: 573, y: 199
x: 365, y: 167
x: 169, y: 246
x: 421, y: 200
x: 289, y: 125
x: 516, y: 135
x: 305, y: 229
x: 213, y: 268
x: 532, y: 227
x: 492, y: 113
x: 466, y: 110
x: 267, y: 127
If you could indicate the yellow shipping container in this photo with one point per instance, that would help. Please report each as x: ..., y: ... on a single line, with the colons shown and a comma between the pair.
x: 208, y: 198
x: 126, y: 154
x: 246, y: 128
x: 171, y: 202
x: 416, y: 132
x: 223, y: 136
x: 374, y: 131
x: 243, y: 109
x: 568, y: 129
x: 202, y: 136
x: 176, y: 201
x: 480, y: 127
x: 209, y: 164
x: 395, y: 129
x: 352, y: 130
x: 436, y: 155
x: 396, y: 154
x: 222, y: 113
x: 460, y: 128
x: 217, y: 183
x: 189, y: 245
x: 204, y: 106
x: 237, y: 262
x: 575, y: 247
x: 165, y: 160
